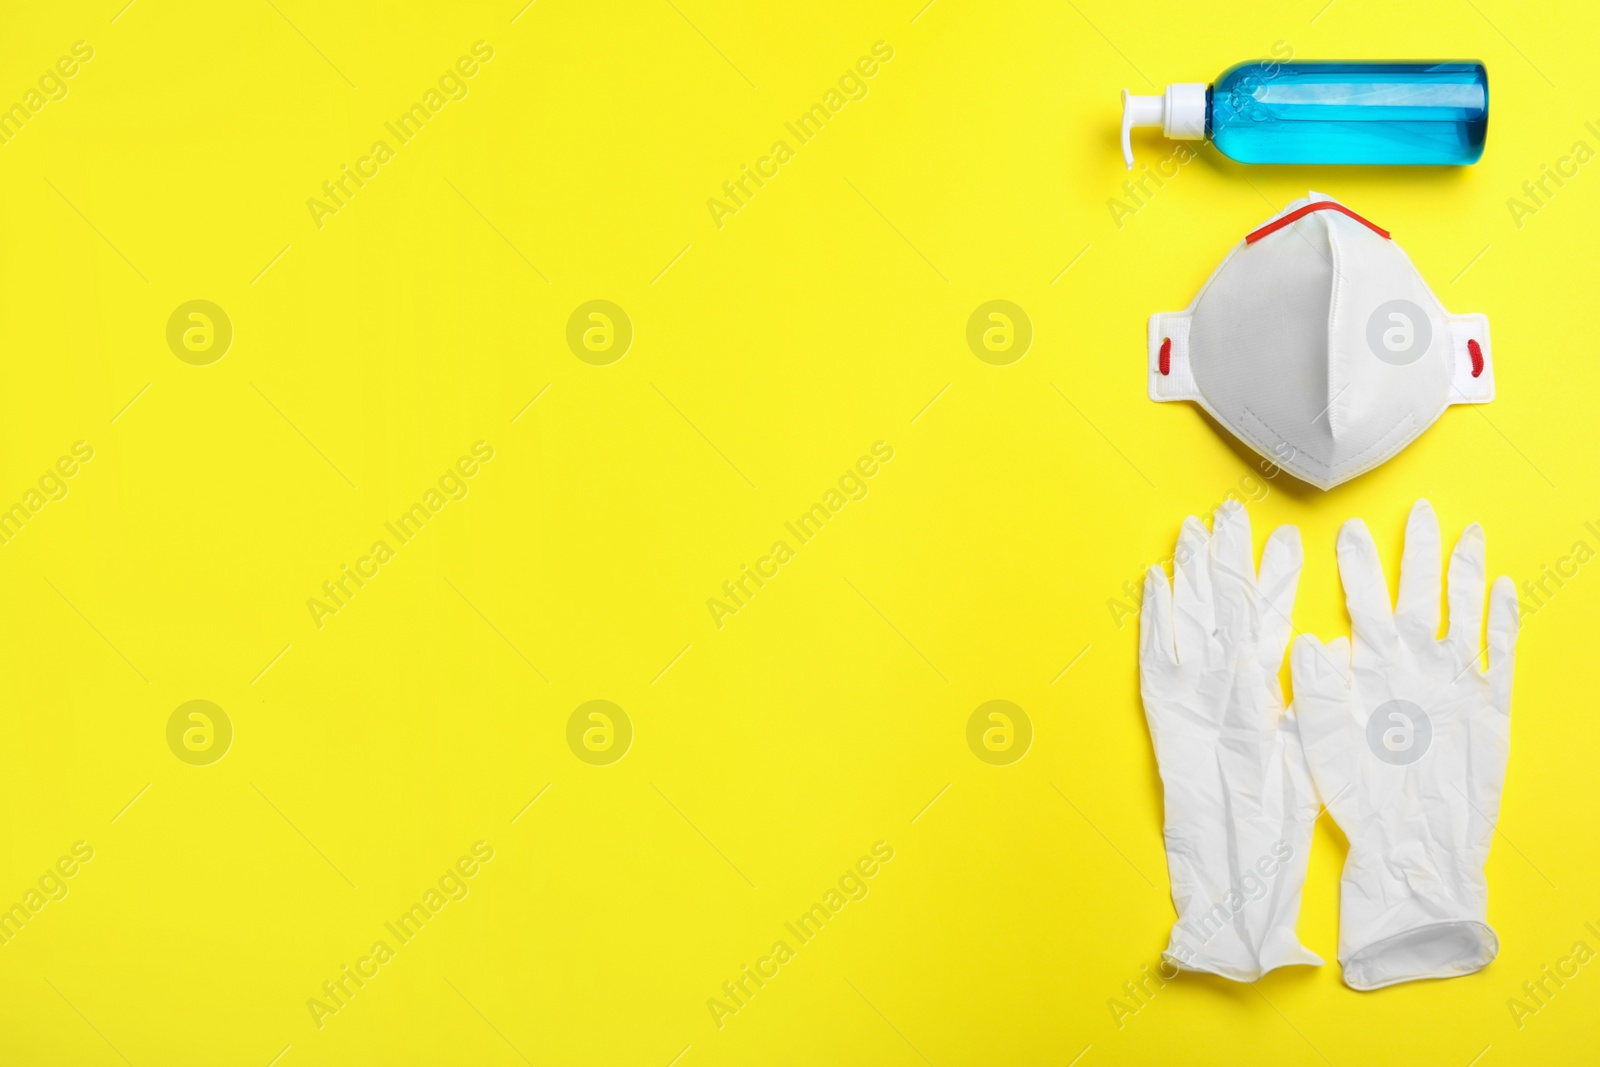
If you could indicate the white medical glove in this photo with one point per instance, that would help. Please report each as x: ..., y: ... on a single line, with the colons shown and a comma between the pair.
x: 1407, y: 741
x: 1239, y: 802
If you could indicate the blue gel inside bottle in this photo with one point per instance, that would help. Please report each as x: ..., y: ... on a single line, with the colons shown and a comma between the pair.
x: 1345, y: 112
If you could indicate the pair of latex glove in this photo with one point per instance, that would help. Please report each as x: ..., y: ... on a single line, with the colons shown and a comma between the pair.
x: 1399, y: 733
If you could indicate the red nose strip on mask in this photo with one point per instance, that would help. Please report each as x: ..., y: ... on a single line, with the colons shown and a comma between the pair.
x: 1300, y: 213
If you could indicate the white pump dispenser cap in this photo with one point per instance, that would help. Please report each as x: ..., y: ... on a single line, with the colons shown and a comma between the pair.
x: 1180, y: 112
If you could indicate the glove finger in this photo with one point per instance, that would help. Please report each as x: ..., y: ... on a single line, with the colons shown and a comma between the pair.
x: 1466, y: 592
x: 1281, y: 561
x: 1193, y: 616
x: 1416, y: 613
x: 1233, y: 572
x: 1366, y: 594
x: 1155, y: 622
x: 1503, y: 625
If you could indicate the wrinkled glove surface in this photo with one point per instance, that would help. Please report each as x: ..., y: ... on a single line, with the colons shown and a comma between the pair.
x: 1407, y: 741
x: 1239, y: 802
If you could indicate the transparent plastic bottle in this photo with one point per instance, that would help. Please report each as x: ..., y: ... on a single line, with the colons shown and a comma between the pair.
x: 1328, y: 111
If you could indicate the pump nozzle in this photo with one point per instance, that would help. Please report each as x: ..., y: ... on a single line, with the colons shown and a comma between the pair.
x: 1180, y: 112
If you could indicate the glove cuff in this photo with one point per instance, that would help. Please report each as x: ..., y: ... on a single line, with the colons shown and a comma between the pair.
x: 1433, y: 950
x: 1408, y: 912
x: 1247, y: 929
x: 1238, y: 963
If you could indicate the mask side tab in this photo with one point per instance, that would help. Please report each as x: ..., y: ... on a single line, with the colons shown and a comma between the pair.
x: 1471, y: 362
x: 1170, y: 375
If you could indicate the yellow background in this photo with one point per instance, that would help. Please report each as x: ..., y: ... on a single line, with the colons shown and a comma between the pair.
x: 768, y: 354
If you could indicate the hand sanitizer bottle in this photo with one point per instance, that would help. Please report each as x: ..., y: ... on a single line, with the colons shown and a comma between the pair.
x: 1327, y: 112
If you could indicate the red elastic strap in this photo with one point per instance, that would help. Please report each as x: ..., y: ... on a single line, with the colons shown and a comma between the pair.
x: 1164, y: 361
x: 1472, y: 350
x: 1300, y: 213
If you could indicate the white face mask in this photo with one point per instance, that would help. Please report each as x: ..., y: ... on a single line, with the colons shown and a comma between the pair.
x: 1318, y: 344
